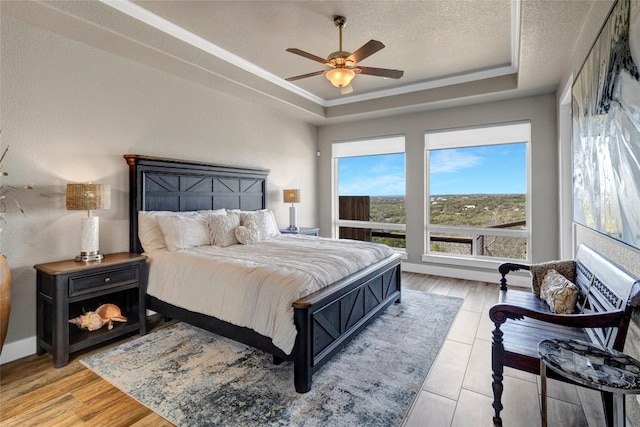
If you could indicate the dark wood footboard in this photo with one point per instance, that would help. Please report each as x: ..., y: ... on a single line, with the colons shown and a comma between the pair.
x: 328, y: 319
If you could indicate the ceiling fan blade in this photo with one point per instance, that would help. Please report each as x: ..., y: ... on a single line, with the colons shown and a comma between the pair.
x: 381, y: 72
x: 304, y: 76
x: 307, y: 55
x: 368, y: 49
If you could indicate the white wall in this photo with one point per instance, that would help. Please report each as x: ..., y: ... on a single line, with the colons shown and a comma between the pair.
x: 69, y: 113
x: 540, y: 110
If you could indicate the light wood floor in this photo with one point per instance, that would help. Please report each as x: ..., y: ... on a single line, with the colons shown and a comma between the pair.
x: 457, y: 391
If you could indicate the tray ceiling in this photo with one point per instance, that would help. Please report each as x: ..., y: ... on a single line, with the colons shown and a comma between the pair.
x: 451, y: 51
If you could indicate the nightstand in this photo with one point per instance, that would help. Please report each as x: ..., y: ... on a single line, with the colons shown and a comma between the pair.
x: 309, y: 231
x: 67, y: 289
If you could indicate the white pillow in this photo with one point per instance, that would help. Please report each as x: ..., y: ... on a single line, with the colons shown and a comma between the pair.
x: 182, y: 232
x: 222, y: 229
x: 263, y: 220
x: 247, y: 235
x: 273, y: 229
x: 149, y: 233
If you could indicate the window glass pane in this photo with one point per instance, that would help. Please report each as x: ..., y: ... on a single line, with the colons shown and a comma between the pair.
x: 393, y: 238
x: 372, y: 188
x: 478, y: 186
x: 479, y: 244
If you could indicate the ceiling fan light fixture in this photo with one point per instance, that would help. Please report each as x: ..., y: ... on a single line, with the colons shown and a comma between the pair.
x: 340, y: 77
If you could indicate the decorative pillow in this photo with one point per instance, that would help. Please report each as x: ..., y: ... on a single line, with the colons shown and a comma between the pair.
x: 182, y: 232
x: 263, y: 220
x: 539, y: 271
x: 559, y: 292
x: 205, y: 214
x: 222, y: 229
x: 149, y: 232
x: 247, y: 235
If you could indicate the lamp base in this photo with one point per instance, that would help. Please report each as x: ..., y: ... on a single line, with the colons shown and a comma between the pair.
x: 89, y: 256
x: 293, y: 219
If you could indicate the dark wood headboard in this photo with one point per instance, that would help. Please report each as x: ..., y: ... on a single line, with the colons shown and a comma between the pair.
x: 157, y: 184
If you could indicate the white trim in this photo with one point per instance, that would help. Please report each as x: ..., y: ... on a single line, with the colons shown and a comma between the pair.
x: 18, y: 349
x: 370, y: 146
x: 565, y: 173
x: 516, y: 7
x: 461, y: 261
x: 496, y: 134
x: 370, y: 224
x: 431, y: 84
x: 168, y: 27
x: 515, y: 280
x: 500, y: 232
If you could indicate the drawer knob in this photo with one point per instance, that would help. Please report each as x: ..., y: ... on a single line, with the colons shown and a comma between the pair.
x: 107, y: 279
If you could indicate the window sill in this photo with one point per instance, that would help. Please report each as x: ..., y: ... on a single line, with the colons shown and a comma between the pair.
x: 465, y: 261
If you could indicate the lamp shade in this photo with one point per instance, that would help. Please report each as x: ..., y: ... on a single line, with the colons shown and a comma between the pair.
x: 88, y: 197
x: 340, y: 77
x: 291, y: 196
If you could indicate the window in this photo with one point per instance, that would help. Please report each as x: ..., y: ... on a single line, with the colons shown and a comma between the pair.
x: 477, y: 192
x: 369, y: 190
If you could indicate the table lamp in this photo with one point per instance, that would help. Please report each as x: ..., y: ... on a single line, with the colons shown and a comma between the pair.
x: 88, y: 197
x: 292, y: 196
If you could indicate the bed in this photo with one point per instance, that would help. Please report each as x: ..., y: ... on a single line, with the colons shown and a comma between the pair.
x: 325, y: 320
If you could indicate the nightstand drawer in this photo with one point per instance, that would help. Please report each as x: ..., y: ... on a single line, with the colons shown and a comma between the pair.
x: 83, y: 284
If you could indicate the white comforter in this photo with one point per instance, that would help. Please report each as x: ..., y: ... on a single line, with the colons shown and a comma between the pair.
x: 254, y: 285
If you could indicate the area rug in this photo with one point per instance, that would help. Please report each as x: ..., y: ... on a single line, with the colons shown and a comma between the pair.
x: 192, y: 377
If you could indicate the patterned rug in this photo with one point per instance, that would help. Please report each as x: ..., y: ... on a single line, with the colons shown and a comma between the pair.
x: 192, y: 377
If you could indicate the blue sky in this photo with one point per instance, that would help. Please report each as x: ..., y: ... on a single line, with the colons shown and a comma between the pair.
x: 494, y: 169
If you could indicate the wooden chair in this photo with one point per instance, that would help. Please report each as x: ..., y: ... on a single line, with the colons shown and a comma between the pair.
x: 608, y: 295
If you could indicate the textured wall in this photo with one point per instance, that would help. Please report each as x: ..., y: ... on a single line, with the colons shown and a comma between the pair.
x: 69, y: 113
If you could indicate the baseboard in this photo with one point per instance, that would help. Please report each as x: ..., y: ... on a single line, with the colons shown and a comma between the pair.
x: 18, y: 349
x: 515, y: 279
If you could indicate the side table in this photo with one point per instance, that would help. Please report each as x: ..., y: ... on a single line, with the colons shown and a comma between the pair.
x: 67, y: 289
x: 592, y: 366
x: 309, y: 231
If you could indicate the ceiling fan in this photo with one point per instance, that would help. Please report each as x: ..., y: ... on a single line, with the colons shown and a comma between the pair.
x: 343, y: 65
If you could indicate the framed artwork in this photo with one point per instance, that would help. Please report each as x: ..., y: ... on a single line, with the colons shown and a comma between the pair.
x: 606, y: 129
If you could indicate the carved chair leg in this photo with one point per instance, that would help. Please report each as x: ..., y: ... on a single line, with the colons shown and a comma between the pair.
x: 497, y: 352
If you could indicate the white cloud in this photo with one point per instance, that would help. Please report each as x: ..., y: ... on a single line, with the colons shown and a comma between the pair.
x: 446, y: 161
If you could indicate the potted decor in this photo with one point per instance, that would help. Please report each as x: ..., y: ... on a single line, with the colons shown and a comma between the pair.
x: 5, y: 272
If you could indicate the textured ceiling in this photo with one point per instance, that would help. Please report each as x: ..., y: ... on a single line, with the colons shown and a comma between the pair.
x: 426, y: 39
x: 452, y: 51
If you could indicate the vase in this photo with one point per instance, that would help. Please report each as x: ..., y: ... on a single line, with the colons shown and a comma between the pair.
x: 5, y: 298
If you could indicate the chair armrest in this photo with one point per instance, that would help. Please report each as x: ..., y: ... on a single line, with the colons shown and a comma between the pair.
x: 505, y: 268
x: 499, y: 313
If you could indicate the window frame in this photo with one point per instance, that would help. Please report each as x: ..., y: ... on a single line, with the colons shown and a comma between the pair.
x: 486, y: 135
x: 373, y: 146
